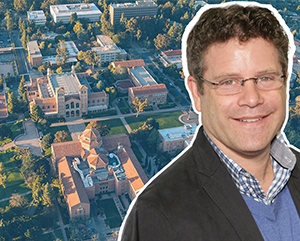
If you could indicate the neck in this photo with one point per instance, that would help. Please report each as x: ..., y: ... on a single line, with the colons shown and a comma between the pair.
x: 262, y: 169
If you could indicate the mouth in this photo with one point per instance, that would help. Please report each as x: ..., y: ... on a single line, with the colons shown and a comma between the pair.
x: 250, y: 120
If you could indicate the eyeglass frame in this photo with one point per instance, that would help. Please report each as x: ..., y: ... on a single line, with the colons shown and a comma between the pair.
x: 242, y: 82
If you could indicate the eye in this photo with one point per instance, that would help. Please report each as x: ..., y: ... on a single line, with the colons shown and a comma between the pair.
x: 266, y: 78
x: 228, y: 82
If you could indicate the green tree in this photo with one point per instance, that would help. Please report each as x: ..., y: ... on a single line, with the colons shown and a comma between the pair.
x: 20, y: 5
x: 17, y: 200
x: 21, y: 89
x: 36, y: 113
x: 102, y: 128
x: 79, y: 30
x: 100, y: 85
x: 12, y: 103
x: 139, y: 105
x: 161, y: 41
x: 62, y: 53
x: 60, y: 136
x: 59, y: 70
x: 73, y: 18
x: 153, y: 139
x: 46, y: 141
x: 111, y: 92
x: 47, y: 197
x: 5, y: 131
x: 37, y: 189
x: 3, y: 179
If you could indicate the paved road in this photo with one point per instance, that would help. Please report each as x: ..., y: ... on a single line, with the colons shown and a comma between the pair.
x: 30, y: 140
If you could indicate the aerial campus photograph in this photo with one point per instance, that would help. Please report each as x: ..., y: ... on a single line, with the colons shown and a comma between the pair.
x: 92, y: 105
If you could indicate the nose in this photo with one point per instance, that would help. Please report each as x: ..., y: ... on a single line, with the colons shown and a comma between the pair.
x: 250, y: 95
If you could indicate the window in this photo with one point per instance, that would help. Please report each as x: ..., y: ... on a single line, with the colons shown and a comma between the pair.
x: 77, y: 105
x: 67, y: 106
x: 72, y: 105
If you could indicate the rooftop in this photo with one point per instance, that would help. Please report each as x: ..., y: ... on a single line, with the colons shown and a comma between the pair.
x: 178, y: 133
x: 82, y: 8
x: 143, y: 76
x: 136, y: 4
x: 129, y: 63
x: 32, y: 15
x: 69, y: 82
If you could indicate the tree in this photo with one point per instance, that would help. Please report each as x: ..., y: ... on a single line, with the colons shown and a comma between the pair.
x: 47, y: 197
x: 153, y: 139
x: 12, y: 103
x: 73, y: 18
x: 5, y: 131
x: 139, y: 105
x: 60, y: 136
x: 21, y: 89
x: 3, y: 179
x: 102, y: 128
x: 20, y: 5
x: 17, y: 200
x: 37, y: 189
x: 36, y: 113
x: 79, y: 30
x: 59, y: 70
x: 46, y: 141
x: 62, y: 53
x: 161, y: 41
x: 100, y: 85
x: 112, y: 93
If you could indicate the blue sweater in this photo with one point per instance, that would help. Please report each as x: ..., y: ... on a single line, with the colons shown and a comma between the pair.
x: 278, y: 221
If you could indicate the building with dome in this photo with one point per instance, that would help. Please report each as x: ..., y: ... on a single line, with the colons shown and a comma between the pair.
x: 94, y: 165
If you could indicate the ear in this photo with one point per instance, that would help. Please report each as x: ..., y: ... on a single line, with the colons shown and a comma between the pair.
x: 193, y: 87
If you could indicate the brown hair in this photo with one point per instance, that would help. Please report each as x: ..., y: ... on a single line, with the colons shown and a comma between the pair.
x: 217, y: 25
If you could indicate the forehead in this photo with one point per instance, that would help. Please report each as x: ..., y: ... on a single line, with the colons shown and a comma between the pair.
x: 236, y: 57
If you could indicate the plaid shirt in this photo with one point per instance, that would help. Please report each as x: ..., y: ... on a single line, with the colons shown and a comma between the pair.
x: 283, y: 162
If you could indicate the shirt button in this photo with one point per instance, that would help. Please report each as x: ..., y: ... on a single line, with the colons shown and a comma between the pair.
x: 247, y: 174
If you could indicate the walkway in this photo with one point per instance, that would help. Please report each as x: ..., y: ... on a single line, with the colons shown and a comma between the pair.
x: 22, y: 194
x: 30, y: 140
x: 61, y: 223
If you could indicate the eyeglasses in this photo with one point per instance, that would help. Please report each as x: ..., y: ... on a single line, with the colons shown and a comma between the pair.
x: 231, y: 86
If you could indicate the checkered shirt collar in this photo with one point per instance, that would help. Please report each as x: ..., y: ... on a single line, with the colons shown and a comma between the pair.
x: 283, y: 162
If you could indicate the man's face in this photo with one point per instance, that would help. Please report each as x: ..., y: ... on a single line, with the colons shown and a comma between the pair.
x: 242, y: 124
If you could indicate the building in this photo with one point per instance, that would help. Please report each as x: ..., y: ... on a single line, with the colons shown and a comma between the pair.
x: 108, y: 51
x: 132, y: 10
x: 83, y: 10
x: 140, y: 76
x: 171, y: 57
x: 38, y: 17
x: 65, y: 95
x: 174, y: 140
x: 34, y: 53
x: 72, y: 54
x: 93, y: 165
x: 155, y: 94
x: 129, y: 63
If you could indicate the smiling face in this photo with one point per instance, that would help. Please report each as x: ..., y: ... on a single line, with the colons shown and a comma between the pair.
x: 243, y: 124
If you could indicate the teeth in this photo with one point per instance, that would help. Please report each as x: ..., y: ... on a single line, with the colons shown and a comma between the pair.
x: 250, y: 120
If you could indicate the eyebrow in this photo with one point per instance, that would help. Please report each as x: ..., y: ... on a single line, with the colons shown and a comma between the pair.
x: 226, y: 75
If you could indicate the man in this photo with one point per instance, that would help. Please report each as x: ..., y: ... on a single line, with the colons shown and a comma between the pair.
x: 239, y: 180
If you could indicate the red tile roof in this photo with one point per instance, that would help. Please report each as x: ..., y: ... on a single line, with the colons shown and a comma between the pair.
x: 71, y: 183
x: 129, y: 63
x: 170, y: 53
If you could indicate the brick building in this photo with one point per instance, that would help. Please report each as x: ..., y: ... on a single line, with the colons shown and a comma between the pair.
x: 65, y: 95
x: 93, y: 165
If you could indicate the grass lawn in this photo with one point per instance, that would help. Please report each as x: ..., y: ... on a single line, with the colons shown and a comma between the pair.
x: 15, y: 180
x: 165, y: 120
x: 116, y: 126
x: 55, y: 129
x: 112, y: 215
